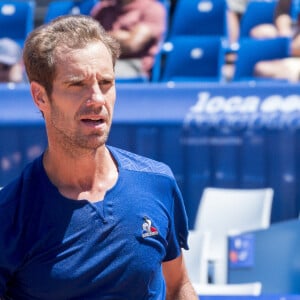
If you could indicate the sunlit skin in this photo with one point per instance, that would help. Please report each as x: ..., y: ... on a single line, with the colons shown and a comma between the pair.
x: 82, y: 100
x: 78, y: 116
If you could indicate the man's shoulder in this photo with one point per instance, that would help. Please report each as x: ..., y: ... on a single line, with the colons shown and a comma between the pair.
x: 14, y: 190
x: 135, y: 162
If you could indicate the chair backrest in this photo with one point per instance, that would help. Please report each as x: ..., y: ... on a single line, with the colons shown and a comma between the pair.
x: 199, y: 17
x: 222, y: 211
x: 257, y: 12
x: 156, y: 68
x: 58, y: 8
x: 238, y: 289
x: 66, y: 7
x: 251, y: 51
x: 85, y: 6
x: 196, y: 257
x: 192, y: 58
x: 225, y: 211
x: 295, y: 10
x: 16, y: 19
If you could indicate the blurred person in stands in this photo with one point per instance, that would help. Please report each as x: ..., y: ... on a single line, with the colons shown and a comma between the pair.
x: 283, y: 26
x: 11, y: 66
x: 86, y: 220
x: 236, y: 9
x: 139, y: 26
x: 283, y: 23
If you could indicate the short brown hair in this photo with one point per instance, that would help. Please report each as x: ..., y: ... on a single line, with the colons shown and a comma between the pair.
x: 72, y: 31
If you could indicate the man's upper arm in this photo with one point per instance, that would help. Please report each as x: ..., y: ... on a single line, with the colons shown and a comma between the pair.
x: 177, y: 280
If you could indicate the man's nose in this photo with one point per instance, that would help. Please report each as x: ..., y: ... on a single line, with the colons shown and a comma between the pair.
x: 96, y: 95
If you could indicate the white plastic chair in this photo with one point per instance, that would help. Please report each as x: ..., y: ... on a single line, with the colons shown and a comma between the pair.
x: 232, y: 289
x: 196, y: 258
x: 223, y: 212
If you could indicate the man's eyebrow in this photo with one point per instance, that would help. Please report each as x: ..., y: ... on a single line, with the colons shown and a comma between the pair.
x: 73, y: 79
x: 80, y: 78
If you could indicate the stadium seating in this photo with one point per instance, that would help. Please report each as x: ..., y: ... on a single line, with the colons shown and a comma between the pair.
x: 65, y: 7
x: 16, y: 19
x: 85, y: 6
x: 257, y: 12
x: 295, y: 10
x: 190, y: 58
x: 253, y: 50
x: 199, y: 17
x: 58, y: 8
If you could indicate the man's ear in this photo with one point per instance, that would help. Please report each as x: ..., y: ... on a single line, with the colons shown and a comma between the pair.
x: 39, y: 95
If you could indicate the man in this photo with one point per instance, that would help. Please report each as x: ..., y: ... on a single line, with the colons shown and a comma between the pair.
x: 86, y: 220
x: 11, y: 67
x: 139, y: 26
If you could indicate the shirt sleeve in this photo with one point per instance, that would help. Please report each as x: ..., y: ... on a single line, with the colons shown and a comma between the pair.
x: 11, y: 235
x: 6, y: 241
x: 178, y: 233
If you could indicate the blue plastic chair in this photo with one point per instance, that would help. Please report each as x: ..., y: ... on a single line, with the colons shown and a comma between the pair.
x: 252, y: 51
x: 66, y: 7
x: 295, y: 10
x: 199, y: 17
x: 58, y: 8
x: 191, y: 58
x: 16, y: 19
x: 85, y: 6
x: 257, y: 12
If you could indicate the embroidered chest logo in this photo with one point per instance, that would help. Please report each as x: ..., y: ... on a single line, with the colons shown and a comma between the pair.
x: 148, y: 230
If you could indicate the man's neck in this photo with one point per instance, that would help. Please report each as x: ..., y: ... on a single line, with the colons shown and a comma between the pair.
x: 88, y: 177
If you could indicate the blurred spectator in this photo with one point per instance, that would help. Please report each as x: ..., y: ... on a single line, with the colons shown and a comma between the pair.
x: 282, y: 26
x: 236, y: 9
x: 139, y: 26
x: 286, y: 68
x: 11, y: 66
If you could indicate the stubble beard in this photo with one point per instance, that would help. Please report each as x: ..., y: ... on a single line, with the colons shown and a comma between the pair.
x: 74, y: 143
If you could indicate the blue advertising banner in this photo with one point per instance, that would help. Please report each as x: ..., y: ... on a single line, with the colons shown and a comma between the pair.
x: 241, y: 251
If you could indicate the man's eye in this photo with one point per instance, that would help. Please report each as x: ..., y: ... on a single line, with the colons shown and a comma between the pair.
x: 75, y: 83
x: 79, y: 83
x: 105, y: 82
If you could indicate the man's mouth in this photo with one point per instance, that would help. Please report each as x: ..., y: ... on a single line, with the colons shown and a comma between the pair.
x: 92, y: 121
